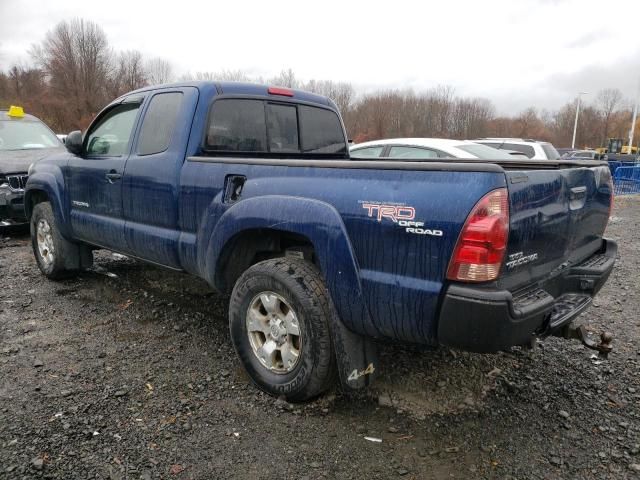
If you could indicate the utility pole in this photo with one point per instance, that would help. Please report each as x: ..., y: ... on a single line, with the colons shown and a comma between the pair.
x: 633, y: 120
x: 575, y: 125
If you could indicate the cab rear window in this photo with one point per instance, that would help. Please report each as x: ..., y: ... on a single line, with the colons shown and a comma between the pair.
x: 273, y: 128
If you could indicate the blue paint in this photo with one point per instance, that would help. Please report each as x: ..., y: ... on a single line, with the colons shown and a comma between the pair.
x: 384, y: 281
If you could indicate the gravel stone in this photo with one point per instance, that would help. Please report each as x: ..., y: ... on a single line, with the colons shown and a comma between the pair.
x: 162, y: 399
x: 37, y: 463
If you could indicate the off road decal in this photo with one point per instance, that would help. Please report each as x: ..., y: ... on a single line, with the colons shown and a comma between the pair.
x: 400, y: 214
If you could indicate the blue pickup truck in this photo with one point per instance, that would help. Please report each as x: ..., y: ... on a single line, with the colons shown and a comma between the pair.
x: 252, y: 189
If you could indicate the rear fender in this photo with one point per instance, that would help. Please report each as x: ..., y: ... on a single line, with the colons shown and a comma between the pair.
x: 323, y: 226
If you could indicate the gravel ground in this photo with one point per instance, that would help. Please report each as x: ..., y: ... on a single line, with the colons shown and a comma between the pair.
x: 128, y: 373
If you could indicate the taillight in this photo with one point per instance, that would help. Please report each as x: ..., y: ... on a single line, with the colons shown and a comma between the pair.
x: 481, y: 245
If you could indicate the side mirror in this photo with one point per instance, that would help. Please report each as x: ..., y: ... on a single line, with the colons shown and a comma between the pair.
x: 74, y: 142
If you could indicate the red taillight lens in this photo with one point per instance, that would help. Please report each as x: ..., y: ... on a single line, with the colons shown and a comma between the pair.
x: 285, y: 92
x: 480, y: 249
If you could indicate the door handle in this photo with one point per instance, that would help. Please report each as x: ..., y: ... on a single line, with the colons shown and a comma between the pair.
x: 112, y: 176
x: 578, y: 192
x: 577, y: 197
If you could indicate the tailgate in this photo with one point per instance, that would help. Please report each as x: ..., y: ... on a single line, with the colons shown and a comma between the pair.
x: 557, y: 218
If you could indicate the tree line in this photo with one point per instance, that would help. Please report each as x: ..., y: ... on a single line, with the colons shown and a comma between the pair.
x: 74, y: 72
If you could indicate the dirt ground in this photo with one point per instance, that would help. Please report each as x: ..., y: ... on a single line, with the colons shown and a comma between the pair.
x: 128, y: 373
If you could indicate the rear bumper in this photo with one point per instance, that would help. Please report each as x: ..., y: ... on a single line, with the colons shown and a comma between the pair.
x: 11, y: 206
x: 480, y: 320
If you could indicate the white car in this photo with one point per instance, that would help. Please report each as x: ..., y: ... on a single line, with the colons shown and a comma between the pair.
x: 533, y: 149
x: 425, y: 148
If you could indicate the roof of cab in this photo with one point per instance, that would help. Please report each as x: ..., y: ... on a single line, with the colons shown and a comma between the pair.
x: 4, y: 115
x: 239, y: 88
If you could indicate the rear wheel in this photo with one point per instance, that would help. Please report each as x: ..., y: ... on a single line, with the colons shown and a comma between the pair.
x: 56, y: 257
x: 279, y: 321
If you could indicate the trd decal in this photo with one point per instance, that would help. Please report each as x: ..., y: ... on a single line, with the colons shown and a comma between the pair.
x: 392, y: 212
x: 402, y: 215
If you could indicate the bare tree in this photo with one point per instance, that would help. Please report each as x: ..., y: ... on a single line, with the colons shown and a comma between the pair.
x: 158, y: 71
x: 341, y: 93
x: 286, y: 78
x: 76, y: 57
x: 221, y: 76
x: 607, y: 101
x: 128, y: 73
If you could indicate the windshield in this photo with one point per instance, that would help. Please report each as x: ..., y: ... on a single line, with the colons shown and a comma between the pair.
x: 25, y: 135
x: 484, y: 152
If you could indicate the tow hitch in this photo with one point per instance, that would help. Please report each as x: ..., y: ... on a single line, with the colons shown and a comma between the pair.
x: 580, y: 333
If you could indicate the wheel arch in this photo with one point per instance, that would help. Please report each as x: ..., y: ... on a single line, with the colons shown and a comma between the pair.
x: 45, y: 187
x: 311, y: 226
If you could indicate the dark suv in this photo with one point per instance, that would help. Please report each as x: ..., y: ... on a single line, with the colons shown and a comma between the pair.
x: 24, y: 139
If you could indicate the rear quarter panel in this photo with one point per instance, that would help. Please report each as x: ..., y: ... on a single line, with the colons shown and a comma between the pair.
x: 400, y: 275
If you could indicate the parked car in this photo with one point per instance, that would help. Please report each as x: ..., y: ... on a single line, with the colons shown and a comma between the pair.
x: 583, y: 155
x: 24, y: 139
x: 252, y: 188
x: 424, y: 148
x: 533, y: 149
x: 563, y: 150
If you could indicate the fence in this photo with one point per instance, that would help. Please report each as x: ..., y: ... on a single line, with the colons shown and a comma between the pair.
x: 626, y: 180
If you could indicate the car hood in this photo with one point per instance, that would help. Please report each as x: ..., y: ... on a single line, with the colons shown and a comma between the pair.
x: 18, y: 161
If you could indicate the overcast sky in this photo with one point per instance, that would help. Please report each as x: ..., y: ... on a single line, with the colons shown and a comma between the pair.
x: 517, y: 53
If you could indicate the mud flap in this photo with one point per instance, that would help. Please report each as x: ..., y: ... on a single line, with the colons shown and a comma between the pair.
x: 356, y: 356
x: 81, y: 257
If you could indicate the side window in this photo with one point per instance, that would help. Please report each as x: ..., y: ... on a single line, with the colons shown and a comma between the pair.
x: 111, y: 135
x: 282, y: 122
x: 237, y: 125
x: 526, y: 149
x: 321, y: 131
x: 367, y: 152
x: 159, y: 123
x: 412, y: 152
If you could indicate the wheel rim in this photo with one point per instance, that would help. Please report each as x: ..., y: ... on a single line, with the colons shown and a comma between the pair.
x: 44, y: 240
x: 274, y: 332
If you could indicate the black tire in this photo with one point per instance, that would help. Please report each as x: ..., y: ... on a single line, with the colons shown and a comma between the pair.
x: 68, y: 257
x: 300, y: 284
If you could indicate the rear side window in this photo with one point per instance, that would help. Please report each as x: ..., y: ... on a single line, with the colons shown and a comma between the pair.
x: 260, y: 126
x: 526, y: 149
x: 550, y: 151
x: 159, y: 123
x: 237, y: 126
x: 367, y: 152
x: 321, y: 131
x: 412, y: 152
x: 484, y: 151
